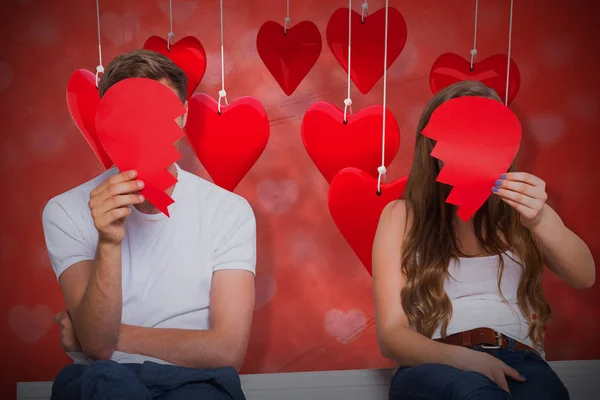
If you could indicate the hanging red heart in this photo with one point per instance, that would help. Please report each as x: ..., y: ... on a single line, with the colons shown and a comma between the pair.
x: 187, y: 53
x: 477, y: 139
x: 227, y: 144
x: 368, y: 43
x: 82, y: 100
x: 136, y: 125
x: 450, y: 68
x: 289, y: 57
x: 355, y: 207
x: 334, y: 145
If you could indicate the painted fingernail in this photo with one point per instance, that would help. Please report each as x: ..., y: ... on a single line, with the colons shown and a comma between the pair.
x: 495, y: 189
x: 141, y: 197
x: 498, y: 182
x: 522, y: 377
x: 503, y: 176
x: 140, y: 184
x: 133, y: 173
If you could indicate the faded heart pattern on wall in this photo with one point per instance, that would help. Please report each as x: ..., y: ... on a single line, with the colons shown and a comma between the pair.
x: 314, y: 303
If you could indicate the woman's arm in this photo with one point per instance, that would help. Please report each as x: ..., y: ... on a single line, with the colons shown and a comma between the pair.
x: 396, y: 340
x: 564, y: 252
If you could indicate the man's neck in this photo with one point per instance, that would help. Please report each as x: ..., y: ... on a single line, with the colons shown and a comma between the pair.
x: 146, y: 207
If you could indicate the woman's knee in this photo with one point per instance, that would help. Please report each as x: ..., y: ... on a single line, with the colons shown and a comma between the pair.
x: 439, y: 381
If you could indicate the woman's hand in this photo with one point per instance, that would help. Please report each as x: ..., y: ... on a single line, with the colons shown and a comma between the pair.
x: 525, y: 193
x: 485, y: 364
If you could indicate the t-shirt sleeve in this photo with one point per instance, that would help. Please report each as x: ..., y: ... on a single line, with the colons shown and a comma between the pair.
x: 234, y: 245
x: 65, y: 241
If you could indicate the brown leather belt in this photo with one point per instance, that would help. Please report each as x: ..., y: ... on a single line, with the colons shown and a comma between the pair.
x: 484, y: 337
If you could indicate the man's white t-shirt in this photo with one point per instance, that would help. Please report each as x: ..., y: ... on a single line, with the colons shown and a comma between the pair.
x: 167, y: 263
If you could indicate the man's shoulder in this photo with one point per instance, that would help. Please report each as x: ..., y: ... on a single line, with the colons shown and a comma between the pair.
x: 215, y: 198
x: 77, y: 198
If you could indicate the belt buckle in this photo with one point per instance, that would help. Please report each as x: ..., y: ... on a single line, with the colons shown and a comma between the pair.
x: 498, y: 344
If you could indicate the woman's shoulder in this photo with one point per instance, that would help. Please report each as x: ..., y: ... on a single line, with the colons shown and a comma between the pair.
x: 395, y: 216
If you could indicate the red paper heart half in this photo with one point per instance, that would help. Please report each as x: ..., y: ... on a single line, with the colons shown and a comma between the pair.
x: 82, y: 100
x: 334, y: 145
x: 227, y: 144
x: 136, y: 125
x: 368, y: 43
x: 477, y: 139
x: 187, y: 53
x: 356, y: 207
x: 450, y: 68
x: 289, y: 57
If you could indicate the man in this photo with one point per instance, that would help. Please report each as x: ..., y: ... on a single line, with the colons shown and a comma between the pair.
x: 158, y: 307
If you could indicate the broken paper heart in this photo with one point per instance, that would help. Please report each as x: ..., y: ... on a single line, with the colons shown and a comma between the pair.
x: 450, y: 68
x: 334, y: 145
x: 136, y: 124
x: 82, y: 100
x: 290, y: 56
x: 356, y: 207
x: 477, y: 140
x: 227, y: 144
x: 187, y: 53
x: 368, y: 43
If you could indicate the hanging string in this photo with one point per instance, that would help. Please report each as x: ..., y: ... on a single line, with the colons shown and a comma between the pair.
x: 286, y: 23
x: 382, y: 170
x: 222, y: 92
x: 99, y: 68
x: 348, y: 101
x: 364, y: 12
x: 474, y: 50
x: 171, y: 35
x: 509, y: 50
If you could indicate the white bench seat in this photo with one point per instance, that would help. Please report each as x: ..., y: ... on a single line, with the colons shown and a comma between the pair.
x: 582, y: 378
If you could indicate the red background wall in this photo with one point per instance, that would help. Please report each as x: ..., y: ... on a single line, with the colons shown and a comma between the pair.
x: 314, y: 301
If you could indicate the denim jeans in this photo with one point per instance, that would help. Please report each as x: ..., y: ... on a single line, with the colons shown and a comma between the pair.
x: 108, y: 380
x: 443, y: 382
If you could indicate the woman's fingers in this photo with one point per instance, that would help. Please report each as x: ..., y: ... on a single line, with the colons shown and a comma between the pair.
x: 513, y: 373
x: 523, y: 177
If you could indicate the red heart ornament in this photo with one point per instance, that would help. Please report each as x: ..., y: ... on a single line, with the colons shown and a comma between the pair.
x: 356, y: 207
x: 289, y: 57
x: 368, y: 43
x: 477, y: 139
x: 450, y: 68
x: 187, y: 53
x: 136, y: 124
x: 334, y: 145
x: 83, y: 99
x: 227, y: 144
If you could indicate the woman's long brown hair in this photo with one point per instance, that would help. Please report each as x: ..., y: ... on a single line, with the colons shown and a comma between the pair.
x: 431, y: 241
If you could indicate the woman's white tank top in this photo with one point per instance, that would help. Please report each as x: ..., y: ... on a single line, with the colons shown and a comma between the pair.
x: 472, y: 286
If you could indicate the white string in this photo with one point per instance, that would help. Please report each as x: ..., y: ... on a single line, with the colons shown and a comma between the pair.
x: 509, y: 50
x: 382, y: 170
x: 348, y: 101
x: 99, y: 68
x: 171, y: 35
x: 474, y: 49
x: 364, y: 12
x: 222, y: 92
x: 286, y: 23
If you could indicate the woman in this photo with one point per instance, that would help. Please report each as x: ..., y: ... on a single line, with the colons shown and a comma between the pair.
x: 460, y: 306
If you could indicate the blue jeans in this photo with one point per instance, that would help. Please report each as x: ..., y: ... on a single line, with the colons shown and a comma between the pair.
x: 108, y: 380
x: 443, y: 382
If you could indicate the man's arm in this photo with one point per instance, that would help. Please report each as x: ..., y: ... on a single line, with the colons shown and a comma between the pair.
x: 91, y: 283
x: 223, y: 345
x: 92, y: 292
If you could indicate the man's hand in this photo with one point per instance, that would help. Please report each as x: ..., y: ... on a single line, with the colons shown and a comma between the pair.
x: 68, y: 337
x: 109, y: 204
